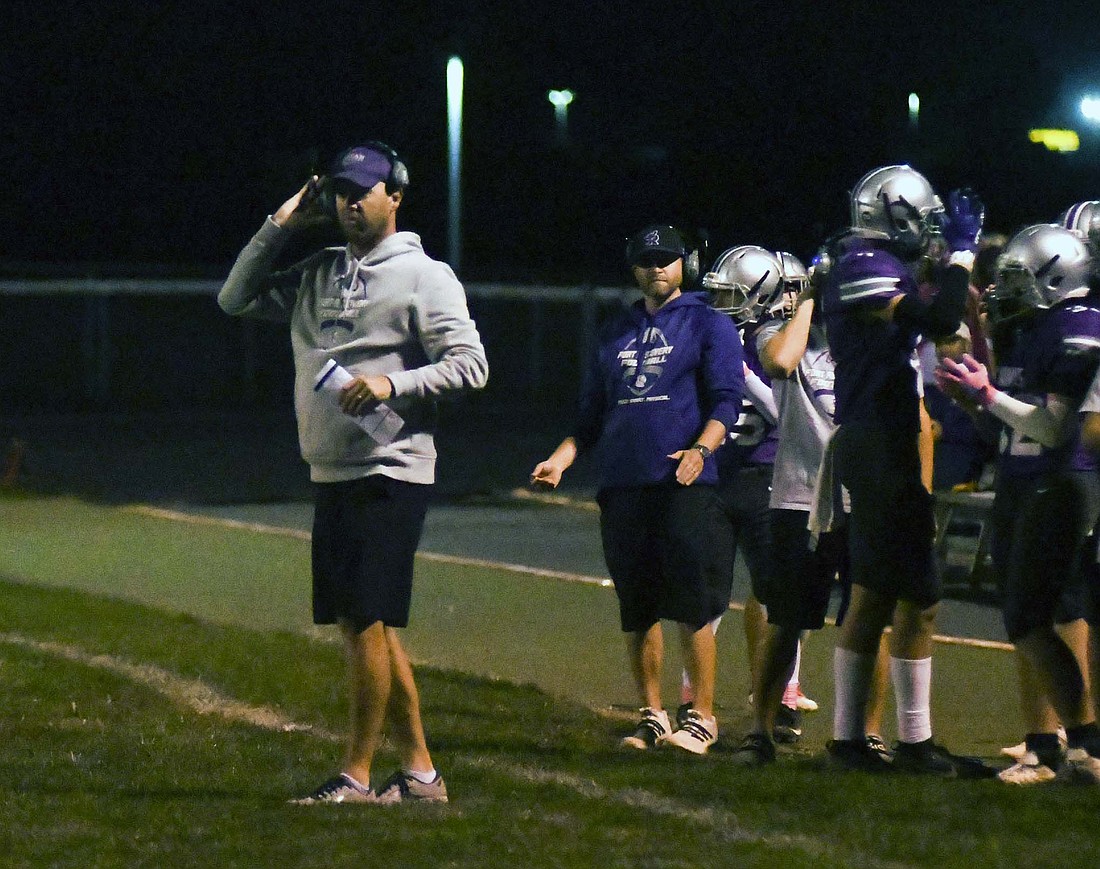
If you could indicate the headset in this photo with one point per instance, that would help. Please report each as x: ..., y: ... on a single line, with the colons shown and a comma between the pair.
x: 396, y: 181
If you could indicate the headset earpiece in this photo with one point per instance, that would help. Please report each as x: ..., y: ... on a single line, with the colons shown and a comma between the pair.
x: 398, y: 178
x: 327, y: 198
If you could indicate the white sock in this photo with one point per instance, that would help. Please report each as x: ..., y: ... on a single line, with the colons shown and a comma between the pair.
x: 356, y: 782
x: 425, y: 777
x: 687, y: 693
x: 912, y: 697
x: 852, y: 674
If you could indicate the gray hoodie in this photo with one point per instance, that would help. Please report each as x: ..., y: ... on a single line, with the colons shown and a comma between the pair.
x: 395, y: 312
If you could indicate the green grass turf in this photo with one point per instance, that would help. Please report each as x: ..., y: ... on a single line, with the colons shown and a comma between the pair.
x: 561, y: 637
x: 97, y: 770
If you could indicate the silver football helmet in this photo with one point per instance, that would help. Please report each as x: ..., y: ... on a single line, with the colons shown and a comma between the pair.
x: 1041, y: 266
x: 744, y: 282
x: 795, y: 279
x: 1084, y: 219
x: 896, y: 204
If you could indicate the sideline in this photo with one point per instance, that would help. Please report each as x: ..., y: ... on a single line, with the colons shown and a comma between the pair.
x: 204, y: 699
x: 443, y: 558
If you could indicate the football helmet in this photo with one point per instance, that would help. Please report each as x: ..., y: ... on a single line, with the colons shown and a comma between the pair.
x: 744, y: 282
x: 795, y: 279
x: 1041, y: 266
x: 898, y: 205
x: 1084, y: 219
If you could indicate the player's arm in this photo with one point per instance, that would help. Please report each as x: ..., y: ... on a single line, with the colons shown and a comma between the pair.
x: 941, y: 316
x: 1046, y: 424
x: 926, y: 446
x: 784, y: 350
x: 1090, y: 416
x: 761, y: 396
x: 1090, y: 431
x: 964, y: 215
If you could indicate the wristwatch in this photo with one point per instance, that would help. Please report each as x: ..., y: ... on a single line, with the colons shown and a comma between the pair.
x: 704, y: 451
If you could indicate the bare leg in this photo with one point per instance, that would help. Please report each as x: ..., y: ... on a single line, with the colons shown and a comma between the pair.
x: 647, y: 651
x: 868, y: 614
x: 755, y: 624
x: 700, y: 654
x: 880, y: 685
x: 369, y: 679
x: 403, y: 714
x: 774, y: 662
x: 854, y: 660
x: 913, y: 628
x: 1060, y: 672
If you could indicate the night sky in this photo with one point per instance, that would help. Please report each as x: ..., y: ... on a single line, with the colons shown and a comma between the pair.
x: 152, y: 137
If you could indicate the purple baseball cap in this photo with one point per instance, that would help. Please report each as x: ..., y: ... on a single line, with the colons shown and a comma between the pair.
x: 363, y: 165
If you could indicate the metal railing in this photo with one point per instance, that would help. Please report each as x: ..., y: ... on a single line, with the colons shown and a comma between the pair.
x: 96, y: 339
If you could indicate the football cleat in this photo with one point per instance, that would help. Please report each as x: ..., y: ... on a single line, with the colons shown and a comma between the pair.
x: 651, y: 730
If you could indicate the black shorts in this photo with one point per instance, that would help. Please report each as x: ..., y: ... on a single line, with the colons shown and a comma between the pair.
x: 365, y: 534
x: 891, y: 528
x: 1043, y: 556
x: 668, y: 551
x: 803, y: 578
x: 745, y: 495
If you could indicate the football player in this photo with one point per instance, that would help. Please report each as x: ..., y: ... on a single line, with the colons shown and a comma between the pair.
x: 874, y: 317
x: 1048, y: 492
x: 744, y: 282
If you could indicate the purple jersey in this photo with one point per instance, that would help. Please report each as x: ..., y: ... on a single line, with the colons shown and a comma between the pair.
x: 1057, y: 353
x: 752, y: 440
x: 876, y: 374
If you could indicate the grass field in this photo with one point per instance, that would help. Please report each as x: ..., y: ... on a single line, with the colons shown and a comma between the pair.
x: 162, y: 695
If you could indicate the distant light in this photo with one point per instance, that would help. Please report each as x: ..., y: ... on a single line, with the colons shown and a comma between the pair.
x: 1056, y: 140
x: 560, y: 99
x: 914, y: 104
x: 1090, y: 109
x: 455, y: 76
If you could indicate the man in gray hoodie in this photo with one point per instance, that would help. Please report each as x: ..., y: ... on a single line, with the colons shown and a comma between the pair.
x: 379, y: 330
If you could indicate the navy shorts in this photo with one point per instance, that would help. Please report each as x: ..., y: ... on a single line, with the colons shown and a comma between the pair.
x: 745, y: 495
x: 803, y: 578
x: 1043, y: 556
x: 891, y: 528
x: 365, y: 535
x: 668, y: 551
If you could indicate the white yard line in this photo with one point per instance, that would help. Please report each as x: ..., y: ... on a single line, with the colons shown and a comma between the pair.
x: 443, y: 558
x: 204, y: 699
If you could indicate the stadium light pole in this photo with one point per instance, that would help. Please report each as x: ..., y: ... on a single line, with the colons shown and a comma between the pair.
x: 914, y: 113
x: 1090, y: 109
x: 560, y: 100
x: 455, y: 76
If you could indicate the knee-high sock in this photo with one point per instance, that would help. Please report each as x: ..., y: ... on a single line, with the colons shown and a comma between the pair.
x: 852, y: 674
x: 912, y: 697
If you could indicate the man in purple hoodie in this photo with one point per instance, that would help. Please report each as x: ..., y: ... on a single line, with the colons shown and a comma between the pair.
x: 664, y: 387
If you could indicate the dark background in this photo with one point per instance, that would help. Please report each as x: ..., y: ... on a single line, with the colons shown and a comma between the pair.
x: 150, y: 140
x: 155, y: 137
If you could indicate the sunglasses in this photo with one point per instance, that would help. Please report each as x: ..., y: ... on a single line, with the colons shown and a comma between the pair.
x: 656, y: 259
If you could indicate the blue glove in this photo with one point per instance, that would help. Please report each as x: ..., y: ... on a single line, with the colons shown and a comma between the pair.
x: 962, y: 220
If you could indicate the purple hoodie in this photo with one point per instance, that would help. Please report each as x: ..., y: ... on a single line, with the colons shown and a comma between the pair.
x: 655, y: 381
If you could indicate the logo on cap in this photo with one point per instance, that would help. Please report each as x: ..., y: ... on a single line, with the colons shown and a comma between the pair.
x: 653, y: 237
